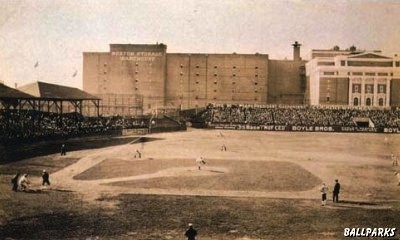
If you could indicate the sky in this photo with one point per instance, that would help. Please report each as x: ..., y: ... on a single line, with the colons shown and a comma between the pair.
x: 52, y: 35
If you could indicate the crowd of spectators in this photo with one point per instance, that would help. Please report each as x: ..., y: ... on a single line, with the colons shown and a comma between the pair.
x: 24, y: 124
x: 298, y: 115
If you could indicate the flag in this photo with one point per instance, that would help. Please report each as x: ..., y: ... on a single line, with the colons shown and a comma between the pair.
x: 75, y: 73
x: 36, y: 64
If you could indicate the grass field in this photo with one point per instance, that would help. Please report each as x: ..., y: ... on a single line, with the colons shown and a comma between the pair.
x: 265, y: 186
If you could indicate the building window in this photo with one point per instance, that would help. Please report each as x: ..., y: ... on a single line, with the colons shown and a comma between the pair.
x: 356, y: 88
x: 181, y: 65
x: 342, y: 63
x: 215, y: 74
x: 369, y: 74
x: 215, y: 82
x: 355, y: 102
x: 215, y: 66
x: 397, y: 64
x: 105, y: 72
x: 233, y: 82
x: 327, y: 99
x: 381, y: 102
x: 256, y: 67
x: 383, y: 74
x: 136, y: 72
x: 255, y: 91
x: 255, y: 83
x: 256, y: 99
x: 215, y: 90
x: 181, y: 73
x: 197, y: 74
x: 197, y: 82
x: 369, y: 88
x: 255, y: 75
x: 136, y: 64
x: 368, y: 102
x: 234, y: 75
x: 381, y: 89
x: 357, y: 73
x: 136, y: 80
x: 105, y: 64
x: 197, y: 66
x: 136, y: 88
x: 197, y: 97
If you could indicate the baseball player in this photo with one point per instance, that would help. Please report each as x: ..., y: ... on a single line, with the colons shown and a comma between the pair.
x: 200, y: 162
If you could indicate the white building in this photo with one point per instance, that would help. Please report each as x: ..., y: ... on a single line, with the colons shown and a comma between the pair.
x: 353, y: 78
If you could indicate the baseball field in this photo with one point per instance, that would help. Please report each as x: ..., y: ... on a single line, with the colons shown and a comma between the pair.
x: 266, y: 185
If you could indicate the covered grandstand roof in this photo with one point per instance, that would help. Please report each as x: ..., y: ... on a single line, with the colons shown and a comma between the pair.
x: 11, y: 93
x: 56, y: 92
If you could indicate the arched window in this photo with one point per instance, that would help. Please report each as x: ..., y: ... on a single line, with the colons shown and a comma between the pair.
x: 355, y: 102
x: 380, y: 101
x: 368, y: 102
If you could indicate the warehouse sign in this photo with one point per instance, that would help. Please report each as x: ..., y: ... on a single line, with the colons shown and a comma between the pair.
x: 137, y: 56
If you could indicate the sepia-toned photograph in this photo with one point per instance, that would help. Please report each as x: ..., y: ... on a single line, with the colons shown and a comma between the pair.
x: 199, y: 120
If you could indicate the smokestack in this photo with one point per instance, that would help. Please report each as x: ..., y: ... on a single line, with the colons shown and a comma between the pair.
x: 296, y: 51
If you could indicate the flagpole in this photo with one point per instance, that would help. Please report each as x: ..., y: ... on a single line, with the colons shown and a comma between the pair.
x: 37, y: 70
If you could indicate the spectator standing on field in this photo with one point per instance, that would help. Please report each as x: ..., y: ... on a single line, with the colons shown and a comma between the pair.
x: 324, y: 191
x: 14, y: 181
x: 45, y: 177
x: 336, y: 190
x: 191, y: 233
x: 63, y: 150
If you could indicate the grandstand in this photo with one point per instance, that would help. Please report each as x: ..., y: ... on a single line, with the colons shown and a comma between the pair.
x: 48, y: 111
x: 301, y: 118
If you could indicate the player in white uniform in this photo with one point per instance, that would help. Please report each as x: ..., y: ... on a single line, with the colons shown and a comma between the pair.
x: 23, y: 182
x: 200, y: 162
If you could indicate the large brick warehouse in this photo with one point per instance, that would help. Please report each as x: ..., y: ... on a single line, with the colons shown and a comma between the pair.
x: 134, y: 79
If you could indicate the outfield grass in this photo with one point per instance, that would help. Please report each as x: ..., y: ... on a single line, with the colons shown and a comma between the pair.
x: 62, y: 216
